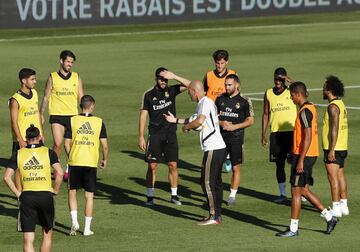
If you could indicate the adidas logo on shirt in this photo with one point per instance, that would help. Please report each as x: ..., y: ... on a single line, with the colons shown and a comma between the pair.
x: 86, y: 129
x: 33, y: 164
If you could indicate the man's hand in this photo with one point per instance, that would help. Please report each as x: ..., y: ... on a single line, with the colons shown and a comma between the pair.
x: 142, y: 143
x: 185, y: 129
x: 331, y: 156
x: 228, y: 126
x: 170, y: 117
x: 264, y: 141
x: 300, y: 166
x: 103, y: 164
x: 168, y: 75
x: 22, y: 143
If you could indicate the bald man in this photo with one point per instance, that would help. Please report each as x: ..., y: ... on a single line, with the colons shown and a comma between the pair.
x: 212, y: 144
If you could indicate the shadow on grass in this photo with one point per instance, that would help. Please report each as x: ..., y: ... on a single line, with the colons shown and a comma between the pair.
x: 181, y: 163
x: 8, y: 208
x: 123, y: 196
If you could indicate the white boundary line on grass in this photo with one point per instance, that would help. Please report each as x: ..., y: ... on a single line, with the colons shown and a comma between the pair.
x: 93, y: 35
x: 312, y: 89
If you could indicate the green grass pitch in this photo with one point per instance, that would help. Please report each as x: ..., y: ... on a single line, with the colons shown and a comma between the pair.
x: 117, y: 67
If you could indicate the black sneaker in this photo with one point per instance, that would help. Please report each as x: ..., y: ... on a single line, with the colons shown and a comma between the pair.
x: 176, y: 200
x: 331, y: 224
x: 149, y: 201
x: 288, y: 233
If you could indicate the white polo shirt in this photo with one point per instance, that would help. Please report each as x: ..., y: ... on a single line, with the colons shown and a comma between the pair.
x: 210, y: 136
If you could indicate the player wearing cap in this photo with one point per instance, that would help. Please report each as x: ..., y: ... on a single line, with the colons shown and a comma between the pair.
x: 235, y: 114
x: 162, y: 141
x: 280, y: 112
x: 36, y: 197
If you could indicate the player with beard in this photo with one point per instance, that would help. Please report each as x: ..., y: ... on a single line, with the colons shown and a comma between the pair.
x: 63, y: 92
x: 280, y: 112
x: 235, y: 114
x: 162, y: 140
x: 335, y: 143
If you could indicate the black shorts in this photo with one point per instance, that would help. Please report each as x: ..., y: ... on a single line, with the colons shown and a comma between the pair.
x: 36, y: 208
x: 305, y: 178
x: 82, y: 177
x: 235, y: 150
x: 162, y: 147
x: 339, y: 158
x: 280, y: 145
x: 59, y: 119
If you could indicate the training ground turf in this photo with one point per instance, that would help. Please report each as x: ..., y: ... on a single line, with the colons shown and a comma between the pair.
x: 117, y: 63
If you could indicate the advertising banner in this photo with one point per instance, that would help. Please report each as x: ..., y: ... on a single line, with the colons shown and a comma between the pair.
x: 61, y: 13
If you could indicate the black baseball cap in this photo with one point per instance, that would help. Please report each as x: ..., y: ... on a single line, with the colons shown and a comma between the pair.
x: 280, y: 71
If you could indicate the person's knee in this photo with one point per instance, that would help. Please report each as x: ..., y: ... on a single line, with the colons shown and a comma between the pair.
x: 152, y: 167
x: 172, y: 166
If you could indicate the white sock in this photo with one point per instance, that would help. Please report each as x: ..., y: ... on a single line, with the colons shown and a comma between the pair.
x: 173, y: 191
x: 74, y: 219
x: 282, y: 189
x: 294, y: 225
x: 150, y: 192
x: 343, y: 202
x: 328, y: 216
x: 67, y: 169
x: 233, y: 193
x: 87, y: 222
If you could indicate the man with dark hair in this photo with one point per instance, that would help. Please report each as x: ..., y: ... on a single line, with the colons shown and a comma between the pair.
x: 36, y: 197
x: 235, y: 114
x: 82, y: 140
x: 213, y: 146
x: 335, y: 143
x: 304, y: 152
x: 162, y: 140
x: 280, y: 112
x: 63, y: 91
x: 24, y: 110
x: 214, y: 80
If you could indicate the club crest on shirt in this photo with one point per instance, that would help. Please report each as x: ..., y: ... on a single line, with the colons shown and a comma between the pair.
x: 237, y: 105
x: 166, y: 94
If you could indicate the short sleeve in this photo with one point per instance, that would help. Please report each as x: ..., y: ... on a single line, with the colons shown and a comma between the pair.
x: 145, y: 102
x: 53, y: 157
x: 306, y: 118
x: 250, y: 110
x: 204, y: 108
x: 103, y: 133
x: 217, y: 103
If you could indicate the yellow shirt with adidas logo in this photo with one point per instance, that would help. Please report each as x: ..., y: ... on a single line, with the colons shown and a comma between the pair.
x: 85, y: 135
x: 64, y: 95
x: 34, y: 166
x: 28, y: 112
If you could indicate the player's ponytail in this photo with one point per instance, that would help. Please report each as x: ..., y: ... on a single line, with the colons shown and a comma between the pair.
x: 32, y: 132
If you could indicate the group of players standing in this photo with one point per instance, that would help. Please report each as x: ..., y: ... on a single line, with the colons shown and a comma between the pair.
x: 223, y: 113
x: 31, y: 161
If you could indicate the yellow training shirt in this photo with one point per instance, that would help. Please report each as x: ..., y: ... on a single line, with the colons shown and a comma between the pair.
x: 34, y: 166
x: 282, y: 111
x: 28, y: 112
x: 64, y: 95
x: 342, y: 139
x: 85, y: 141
